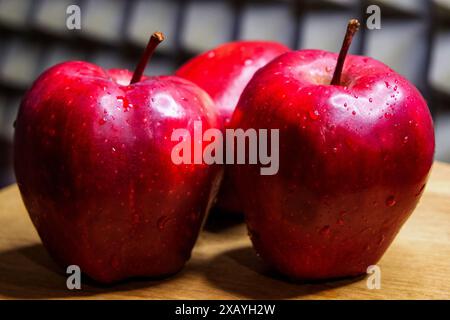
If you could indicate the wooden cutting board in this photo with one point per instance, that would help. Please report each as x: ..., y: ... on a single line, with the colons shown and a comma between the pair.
x: 224, y: 266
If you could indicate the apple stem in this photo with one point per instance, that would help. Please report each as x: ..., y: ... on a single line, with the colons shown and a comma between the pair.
x: 352, y: 27
x: 155, y: 39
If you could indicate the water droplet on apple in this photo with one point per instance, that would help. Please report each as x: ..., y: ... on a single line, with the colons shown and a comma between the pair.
x: 314, y: 114
x: 211, y: 54
x: 390, y: 201
x: 405, y: 139
x: 125, y: 103
x: 102, y: 121
x: 248, y: 62
x: 370, y: 100
x: 387, y: 84
x: 162, y: 222
x: 353, y: 112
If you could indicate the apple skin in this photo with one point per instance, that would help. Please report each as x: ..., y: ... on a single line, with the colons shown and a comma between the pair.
x: 223, y: 73
x: 93, y: 164
x: 354, y: 160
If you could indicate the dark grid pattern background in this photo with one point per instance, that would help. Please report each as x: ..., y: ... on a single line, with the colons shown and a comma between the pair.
x: 414, y: 40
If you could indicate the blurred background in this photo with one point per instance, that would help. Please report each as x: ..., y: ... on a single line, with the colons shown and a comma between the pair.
x: 414, y: 39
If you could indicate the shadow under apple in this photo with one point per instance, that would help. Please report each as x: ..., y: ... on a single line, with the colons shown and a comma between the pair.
x: 29, y: 273
x: 220, y: 221
x: 240, y: 272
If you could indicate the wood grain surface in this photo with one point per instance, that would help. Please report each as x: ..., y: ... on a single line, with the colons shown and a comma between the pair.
x: 224, y: 266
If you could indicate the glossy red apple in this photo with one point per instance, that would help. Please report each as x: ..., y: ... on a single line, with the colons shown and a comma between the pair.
x: 354, y: 159
x: 93, y: 164
x: 223, y: 73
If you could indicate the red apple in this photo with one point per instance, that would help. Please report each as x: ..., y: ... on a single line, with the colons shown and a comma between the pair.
x: 93, y: 164
x: 223, y: 73
x: 354, y: 159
